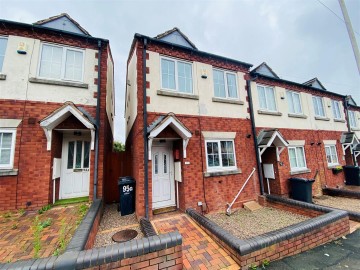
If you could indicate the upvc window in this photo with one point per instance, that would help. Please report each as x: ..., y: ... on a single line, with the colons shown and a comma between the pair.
x: 220, y: 154
x: 297, y: 158
x: 352, y: 119
x: 294, y: 102
x: 176, y: 75
x: 7, y: 148
x: 3, y: 43
x: 336, y: 109
x: 267, y: 98
x: 61, y: 63
x: 318, y: 106
x: 225, y: 84
x: 331, y: 155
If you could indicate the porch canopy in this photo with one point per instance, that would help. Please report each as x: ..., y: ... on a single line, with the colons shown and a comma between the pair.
x: 351, y: 141
x: 164, y: 121
x: 61, y: 114
x: 271, y: 137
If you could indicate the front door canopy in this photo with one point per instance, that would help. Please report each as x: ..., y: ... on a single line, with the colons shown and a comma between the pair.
x: 271, y: 137
x: 62, y: 113
x: 349, y: 140
x: 161, y: 123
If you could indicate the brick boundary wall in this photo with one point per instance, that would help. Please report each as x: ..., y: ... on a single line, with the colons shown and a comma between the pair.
x: 328, y: 225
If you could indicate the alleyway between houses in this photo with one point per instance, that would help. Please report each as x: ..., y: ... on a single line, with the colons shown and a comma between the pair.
x: 199, y: 250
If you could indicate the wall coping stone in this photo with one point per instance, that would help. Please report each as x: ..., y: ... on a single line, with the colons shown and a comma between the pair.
x: 147, y: 227
x: 246, y: 246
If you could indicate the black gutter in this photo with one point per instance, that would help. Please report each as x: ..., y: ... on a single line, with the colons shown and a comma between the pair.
x: 146, y: 150
x: 193, y: 51
x: 97, y: 122
x: 253, y: 130
x: 40, y: 27
x: 258, y: 75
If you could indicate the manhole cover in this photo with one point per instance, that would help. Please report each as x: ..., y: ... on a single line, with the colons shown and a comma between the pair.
x: 124, y: 235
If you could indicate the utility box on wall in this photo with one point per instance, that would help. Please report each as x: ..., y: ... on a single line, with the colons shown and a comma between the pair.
x: 178, y: 171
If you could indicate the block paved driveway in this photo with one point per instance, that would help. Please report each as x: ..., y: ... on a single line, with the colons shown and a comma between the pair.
x: 199, y: 250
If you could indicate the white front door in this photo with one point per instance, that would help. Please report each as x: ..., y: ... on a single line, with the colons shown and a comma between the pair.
x: 163, y: 186
x: 75, y: 172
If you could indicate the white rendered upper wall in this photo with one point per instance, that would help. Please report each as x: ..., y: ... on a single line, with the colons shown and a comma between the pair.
x: 19, y: 68
x: 283, y: 118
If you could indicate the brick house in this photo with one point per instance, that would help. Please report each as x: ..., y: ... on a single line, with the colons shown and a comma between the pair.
x: 187, y: 119
x: 306, y: 121
x: 56, y: 112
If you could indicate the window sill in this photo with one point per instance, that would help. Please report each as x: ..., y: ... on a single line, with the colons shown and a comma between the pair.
x: 269, y: 113
x: 321, y: 118
x: 331, y: 166
x: 230, y: 101
x: 176, y: 94
x: 2, y: 77
x: 303, y: 116
x: 8, y: 172
x: 355, y: 129
x: 221, y: 173
x: 300, y: 171
x: 339, y: 120
x: 60, y: 83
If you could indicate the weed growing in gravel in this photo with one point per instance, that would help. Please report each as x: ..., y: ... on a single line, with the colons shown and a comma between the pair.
x: 265, y: 263
x: 37, y: 236
x: 253, y: 267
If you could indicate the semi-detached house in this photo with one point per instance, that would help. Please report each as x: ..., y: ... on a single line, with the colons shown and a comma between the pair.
x: 56, y: 112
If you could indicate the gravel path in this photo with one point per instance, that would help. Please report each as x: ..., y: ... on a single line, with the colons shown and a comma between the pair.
x: 246, y: 224
x: 113, y: 222
x: 339, y: 202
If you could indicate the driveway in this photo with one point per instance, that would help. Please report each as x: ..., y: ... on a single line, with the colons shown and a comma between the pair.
x: 339, y: 254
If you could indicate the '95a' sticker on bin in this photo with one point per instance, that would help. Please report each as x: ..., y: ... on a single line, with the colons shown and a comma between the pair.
x: 127, y: 189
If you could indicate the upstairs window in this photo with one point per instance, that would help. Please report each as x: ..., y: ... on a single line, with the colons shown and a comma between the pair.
x: 294, y: 102
x: 266, y: 98
x: 7, y: 148
x: 61, y: 63
x: 331, y: 155
x: 220, y: 155
x: 352, y: 119
x: 3, y: 43
x: 318, y: 106
x: 225, y: 84
x: 336, y: 109
x: 176, y: 75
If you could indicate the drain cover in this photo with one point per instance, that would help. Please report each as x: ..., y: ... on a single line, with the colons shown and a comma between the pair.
x: 124, y: 235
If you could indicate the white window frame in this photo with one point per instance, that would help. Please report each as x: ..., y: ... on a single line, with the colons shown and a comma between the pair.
x: 333, y: 162
x: 317, y: 98
x: 352, y: 119
x: 335, y: 103
x: 296, y: 169
x: 176, y: 75
x: 226, y: 84
x: 271, y: 87
x: 2, y: 64
x: 220, y: 168
x: 63, y: 62
x: 292, y: 93
x: 12, y: 151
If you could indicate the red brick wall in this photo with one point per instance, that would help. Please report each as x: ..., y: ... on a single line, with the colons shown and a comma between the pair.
x: 315, y: 159
x: 94, y: 229
x: 170, y: 258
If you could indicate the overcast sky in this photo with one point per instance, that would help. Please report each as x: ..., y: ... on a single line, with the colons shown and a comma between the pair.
x: 299, y: 39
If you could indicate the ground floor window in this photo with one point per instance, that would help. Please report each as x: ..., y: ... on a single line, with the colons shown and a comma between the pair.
x: 297, y: 158
x: 220, y: 154
x: 331, y: 155
x: 7, y: 148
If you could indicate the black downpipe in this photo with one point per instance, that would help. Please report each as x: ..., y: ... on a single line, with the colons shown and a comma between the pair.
x: 97, y: 122
x: 346, y: 105
x: 146, y: 150
x: 252, y: 120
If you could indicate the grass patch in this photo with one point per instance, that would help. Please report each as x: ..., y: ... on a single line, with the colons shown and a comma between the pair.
x: 71, y: 201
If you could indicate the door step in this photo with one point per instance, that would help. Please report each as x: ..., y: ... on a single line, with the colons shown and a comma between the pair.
x: 164, y: 210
